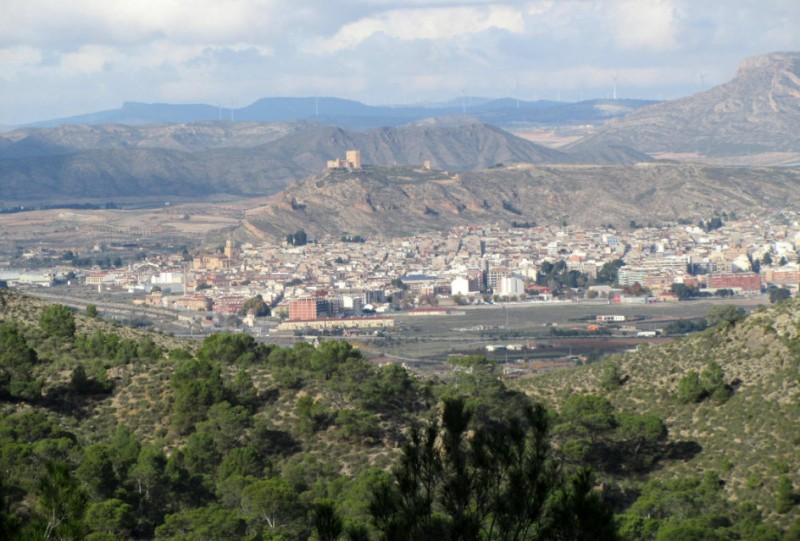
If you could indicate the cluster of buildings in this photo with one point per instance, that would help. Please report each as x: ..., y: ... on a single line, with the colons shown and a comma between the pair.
x: 358, y: 284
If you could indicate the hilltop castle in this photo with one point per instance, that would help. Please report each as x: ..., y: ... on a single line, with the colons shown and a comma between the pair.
x: 352, y: 160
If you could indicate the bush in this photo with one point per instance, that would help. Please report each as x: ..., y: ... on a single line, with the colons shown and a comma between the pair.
x: 690, y: 390
x: 57, y: 320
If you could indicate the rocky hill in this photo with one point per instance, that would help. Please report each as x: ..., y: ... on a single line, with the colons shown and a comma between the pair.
x: 400, y: 200
x: 243, y: 159
x: 751, y: 119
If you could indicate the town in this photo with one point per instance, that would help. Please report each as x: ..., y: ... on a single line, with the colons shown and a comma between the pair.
x: 353, y: 284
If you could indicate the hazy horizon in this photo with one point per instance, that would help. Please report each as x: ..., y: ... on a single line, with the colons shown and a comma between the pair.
x: 60, y: 60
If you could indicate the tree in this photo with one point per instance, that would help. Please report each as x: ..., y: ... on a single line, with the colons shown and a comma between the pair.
x: 298, y: 238
x: 79, y: 381
x: 690, y: 390
x: 311, y: 414
x: 712, y: 224
x: 767, y: 259
x: 256, y: 305
x: 271, y: 503
x: 226, y: 425
x: 755, y: 264
x: 713, y: 381
x: 331, y: 355
x: 200, y: 454
x: 588, y: 414
x: 683, y: 291
x: 149, y: 482
x: 242, y: 391
x: 241, y: 461
x: 57, y: 320
x: 327, y: 523
x: 113, y: 517
x: 17, y: 361
x: 693, y: 387
x: 609, y: 272
x: 227, y: 348
x: 778, y: 294
x: 123, y: 451
x: 198, y: 386
x: 785, y: 497
x: 91, y: 310
x: 689, y: 530
x: 96, y: 472
x: 61, y: 503
x: 725, y: 316
x: 500, y: 482
x: 642, y: 432
x: 202, y: 524
x: 612, y: 377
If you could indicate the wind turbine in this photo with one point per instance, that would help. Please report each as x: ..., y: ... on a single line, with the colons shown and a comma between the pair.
x: 703, y: 81
x: 614, y: 77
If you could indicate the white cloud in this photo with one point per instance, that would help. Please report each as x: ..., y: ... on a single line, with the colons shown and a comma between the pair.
x: 58, y: 22
x: 643, y: 24
x: 429, y: 24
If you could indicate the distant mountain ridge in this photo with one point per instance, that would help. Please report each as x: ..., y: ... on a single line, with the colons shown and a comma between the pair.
x: 354, y: 114
x: 756, y: 113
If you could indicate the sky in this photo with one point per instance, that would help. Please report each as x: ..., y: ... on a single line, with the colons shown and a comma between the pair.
x: 66, y: 57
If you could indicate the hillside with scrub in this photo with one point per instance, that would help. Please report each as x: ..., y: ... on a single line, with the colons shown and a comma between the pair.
x: 109, y: 432
x: 729, y: 400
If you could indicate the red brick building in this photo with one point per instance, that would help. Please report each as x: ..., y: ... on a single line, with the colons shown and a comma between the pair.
x: 783, y: 277
x: 308, y: 309
x: 746, y: 281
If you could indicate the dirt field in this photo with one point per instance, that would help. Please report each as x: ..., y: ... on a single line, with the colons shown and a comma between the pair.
x: 76, y: 229
x: 434, y: 338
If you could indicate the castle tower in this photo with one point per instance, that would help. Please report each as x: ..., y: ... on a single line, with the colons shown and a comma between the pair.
x: 353, y: 158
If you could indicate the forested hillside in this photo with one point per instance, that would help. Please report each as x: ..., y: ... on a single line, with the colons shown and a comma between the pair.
x: 727, y: 401
x: 111, y: 433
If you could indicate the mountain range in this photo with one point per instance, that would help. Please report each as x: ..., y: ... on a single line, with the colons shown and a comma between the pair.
x: 356, y: 115
x: 243, y: 159
x: 479, y: 172
x: 751, y: 119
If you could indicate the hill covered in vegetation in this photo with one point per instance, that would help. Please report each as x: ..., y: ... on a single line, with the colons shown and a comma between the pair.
x: 729, y: 400
x: 111, y: 433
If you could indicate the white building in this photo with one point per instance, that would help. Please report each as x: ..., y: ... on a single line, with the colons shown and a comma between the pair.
x: 459, y: 286
x: 352, y: 302
x: 511, y: 287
